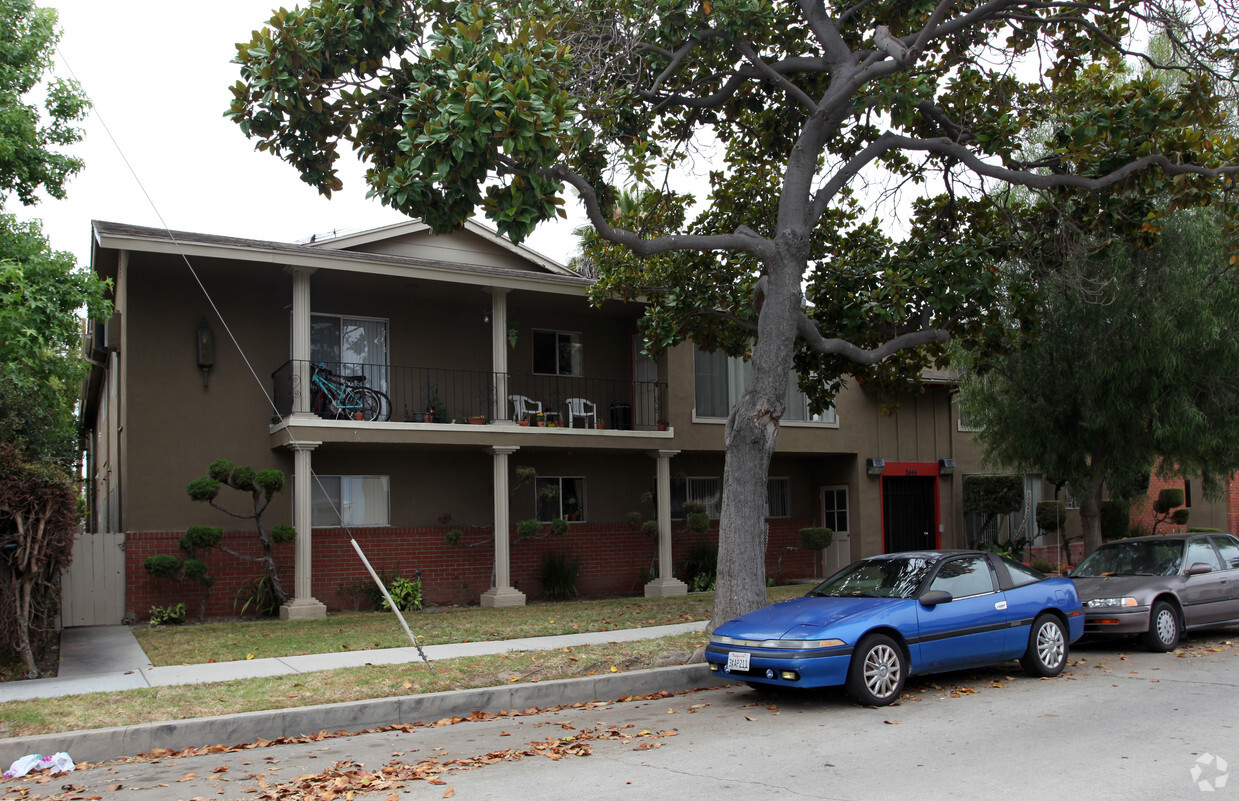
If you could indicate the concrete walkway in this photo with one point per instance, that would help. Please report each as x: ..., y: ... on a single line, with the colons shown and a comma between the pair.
x: 108, y: 658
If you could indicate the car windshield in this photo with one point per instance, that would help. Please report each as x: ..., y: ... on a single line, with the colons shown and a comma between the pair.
x: 1135, y: 558
x: 889, y: 577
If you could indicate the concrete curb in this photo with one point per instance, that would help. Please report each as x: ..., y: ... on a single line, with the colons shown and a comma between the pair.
x: 96, y: 745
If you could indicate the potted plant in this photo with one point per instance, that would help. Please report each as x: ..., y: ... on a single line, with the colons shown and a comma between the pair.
x: 478, y: 420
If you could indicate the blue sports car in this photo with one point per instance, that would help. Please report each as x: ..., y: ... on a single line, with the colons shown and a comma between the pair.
x: 884, y: 618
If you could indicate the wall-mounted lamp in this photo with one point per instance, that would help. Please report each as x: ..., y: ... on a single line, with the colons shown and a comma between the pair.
x: 946, y: 467
x: 874, y: 467
x: 486, y: 316
x: 206, y: 351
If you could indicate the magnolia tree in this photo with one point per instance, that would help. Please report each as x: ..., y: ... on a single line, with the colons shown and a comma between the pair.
x: 808, y: 114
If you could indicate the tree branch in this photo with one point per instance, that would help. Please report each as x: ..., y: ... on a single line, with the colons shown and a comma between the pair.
x: 808, y: 330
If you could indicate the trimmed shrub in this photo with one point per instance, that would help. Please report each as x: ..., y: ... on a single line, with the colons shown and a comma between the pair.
x: 817, y: 538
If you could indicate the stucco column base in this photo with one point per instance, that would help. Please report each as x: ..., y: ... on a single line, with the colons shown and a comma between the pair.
x: 499, y: 597
x: 303, y: 609
x: 665, y: 588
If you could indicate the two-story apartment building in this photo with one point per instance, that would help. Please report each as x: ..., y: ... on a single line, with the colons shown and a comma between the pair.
x: 505, y: 396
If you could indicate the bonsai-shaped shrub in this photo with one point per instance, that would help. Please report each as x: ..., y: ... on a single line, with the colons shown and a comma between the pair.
x: 1115, y: 521
x: 650, y: 527
x: 1051, y: 516
x: 634, y: 521
x: 559, y: 527
x: 817, y: 538
x: 696, y: 517
x: 453, y: 537
x: 528, y: 528
x: 261, y: 486
x: 1164, y: 508
x: 993, y: 495
x: 559, y: 574
x: 187, y: 568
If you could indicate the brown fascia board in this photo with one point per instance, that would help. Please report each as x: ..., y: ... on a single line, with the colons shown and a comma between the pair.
x: 119, y: 236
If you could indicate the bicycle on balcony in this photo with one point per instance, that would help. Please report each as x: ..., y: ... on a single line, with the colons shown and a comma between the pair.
x: 342, y: 397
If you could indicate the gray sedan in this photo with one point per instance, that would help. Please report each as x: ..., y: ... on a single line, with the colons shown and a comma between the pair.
x: 1158, y: 587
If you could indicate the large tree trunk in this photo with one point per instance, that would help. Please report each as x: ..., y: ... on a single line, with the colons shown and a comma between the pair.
x: 1090, y: 514
x: 751, y: 434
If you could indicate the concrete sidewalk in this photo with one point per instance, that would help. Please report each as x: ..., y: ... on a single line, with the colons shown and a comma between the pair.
x: 108, y: 658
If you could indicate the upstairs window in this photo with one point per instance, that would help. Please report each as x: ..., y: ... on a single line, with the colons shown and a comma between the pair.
x: 557, y: 352
x: 720, y: 380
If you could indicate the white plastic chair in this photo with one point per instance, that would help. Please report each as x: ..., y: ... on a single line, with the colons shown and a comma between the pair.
x: 523, y: 407
x: 586, y: 410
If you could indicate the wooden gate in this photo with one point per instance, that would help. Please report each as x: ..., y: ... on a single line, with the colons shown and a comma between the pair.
x: 93, y: 587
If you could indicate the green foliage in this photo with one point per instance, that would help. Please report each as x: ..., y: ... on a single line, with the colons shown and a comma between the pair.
x: 1180, y: 516
x: 405, y: 593
x: 1051, y: 515
x: 257, y: 597
x: 242, y: 478
x: 201, y: 537
x: 698, y: 522
x: 1204, y: 529
x: 168, y: 615
x: 701, y: 567
x: 528, y: 528
x: 269, y: 481
x: 220, y: 470
x: 1115, y: 520
x: 816, y: 538
x: 650, y: 527
x: 42, y: 295
x: 454, y: 537
x: 1168, y: 498
x: 1001, y: 494
x: 634, y: 521
x: 30, y: 139
x: 559, y: 574
x: 203, y: 489
x: 283, y: 533
x: 559, y: 527
x: 1042, y: 566
x: 164, y: 565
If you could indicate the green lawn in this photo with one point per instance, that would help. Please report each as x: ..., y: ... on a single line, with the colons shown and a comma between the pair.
x: 267, y: 638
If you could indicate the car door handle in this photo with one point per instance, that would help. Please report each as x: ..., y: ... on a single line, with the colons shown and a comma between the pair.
x: 1000, y: 605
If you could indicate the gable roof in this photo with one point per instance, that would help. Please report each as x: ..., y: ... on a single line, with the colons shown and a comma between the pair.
x: 361, y: 240
x: 541, y: 275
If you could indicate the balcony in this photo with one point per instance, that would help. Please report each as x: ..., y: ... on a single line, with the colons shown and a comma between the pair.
x: 436, y: 395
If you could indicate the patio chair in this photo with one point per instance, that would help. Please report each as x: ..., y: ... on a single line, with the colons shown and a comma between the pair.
x: 524, y: 406
x: 586, y: 410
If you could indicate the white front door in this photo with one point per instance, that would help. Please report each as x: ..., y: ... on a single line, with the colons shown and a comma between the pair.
x: 836, y: 515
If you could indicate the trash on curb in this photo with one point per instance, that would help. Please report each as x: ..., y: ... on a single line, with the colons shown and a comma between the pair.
x: 56, y: 763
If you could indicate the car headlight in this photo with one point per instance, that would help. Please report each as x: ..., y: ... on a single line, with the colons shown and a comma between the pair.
x: 794, y: 645
x: 1101, y: 603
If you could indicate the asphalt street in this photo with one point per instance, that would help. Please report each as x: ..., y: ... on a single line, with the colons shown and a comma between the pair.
x: 1119, y: 724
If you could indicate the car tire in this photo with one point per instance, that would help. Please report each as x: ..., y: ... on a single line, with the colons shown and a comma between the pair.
x: 877, y: 672
x: 1047, y: 647
x: 1164, y: 629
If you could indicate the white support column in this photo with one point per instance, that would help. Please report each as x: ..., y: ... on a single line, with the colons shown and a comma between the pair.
x: 503, y: 593
x: 303, y: 605
x: 666, y: 584
x: 301, y: 339
x: 499, y: 351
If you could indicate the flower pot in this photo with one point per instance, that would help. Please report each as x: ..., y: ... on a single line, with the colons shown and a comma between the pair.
x: 599, y: 426
x: 477, y: 421
x: 522, y: 422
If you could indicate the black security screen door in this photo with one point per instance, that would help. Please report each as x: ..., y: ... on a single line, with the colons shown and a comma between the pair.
x: 908, y: 513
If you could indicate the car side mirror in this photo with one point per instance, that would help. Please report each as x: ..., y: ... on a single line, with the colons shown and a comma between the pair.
x: 935, y: 597
x: 1198, y: 568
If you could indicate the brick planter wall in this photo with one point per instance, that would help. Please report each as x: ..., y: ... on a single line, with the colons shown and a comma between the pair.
x: 614, y: 561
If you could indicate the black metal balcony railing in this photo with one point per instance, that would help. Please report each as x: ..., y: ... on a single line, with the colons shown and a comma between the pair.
x: 436, y: 395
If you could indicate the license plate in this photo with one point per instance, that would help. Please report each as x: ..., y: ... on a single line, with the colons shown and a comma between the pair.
x: 738, y: 660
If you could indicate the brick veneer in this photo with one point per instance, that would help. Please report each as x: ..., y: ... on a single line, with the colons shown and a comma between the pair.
x: 614, y: 560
